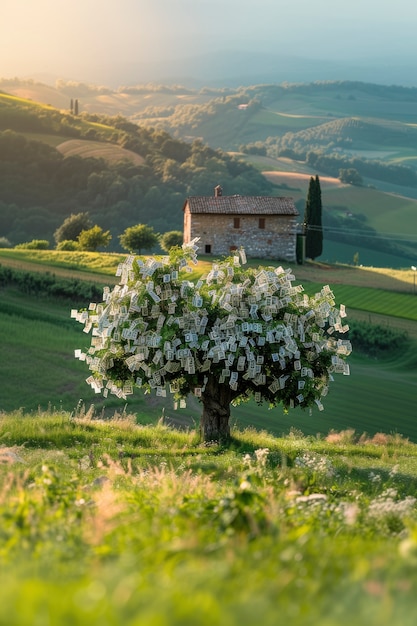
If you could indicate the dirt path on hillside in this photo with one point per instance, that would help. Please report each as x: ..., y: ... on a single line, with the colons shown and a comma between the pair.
x: 312, y: 272
x: 292, y: 178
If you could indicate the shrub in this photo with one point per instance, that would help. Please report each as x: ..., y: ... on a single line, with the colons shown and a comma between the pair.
x: 5, y: 243
x: 375, y: 340
x: 93, y: 238
x: 68, y: 245
x: 35, y: 244
x: 138, y: 238
x: 72, y: 226
x: 170, y: 239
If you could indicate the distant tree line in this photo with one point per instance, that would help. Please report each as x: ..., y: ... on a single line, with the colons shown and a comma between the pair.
x: 332, y: 164
x: 326, y: 147
x: 183, y: 120
x: 336, y: 164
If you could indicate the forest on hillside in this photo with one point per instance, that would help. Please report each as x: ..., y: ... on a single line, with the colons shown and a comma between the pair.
x: 329, y: 126
x: 40, y: 187
x: 363, y: 134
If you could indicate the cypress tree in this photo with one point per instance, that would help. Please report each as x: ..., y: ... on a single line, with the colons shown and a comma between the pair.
x: 312, y: 220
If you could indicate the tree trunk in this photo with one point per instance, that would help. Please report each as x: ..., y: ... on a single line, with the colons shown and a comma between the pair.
x: 216, y: 398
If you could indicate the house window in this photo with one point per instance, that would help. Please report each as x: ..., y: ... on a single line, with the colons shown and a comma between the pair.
x: 262, y: 222
x: 236, y: 222
x: 207, y: 248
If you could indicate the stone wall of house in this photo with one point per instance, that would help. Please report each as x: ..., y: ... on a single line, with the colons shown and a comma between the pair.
x: 221, y: 234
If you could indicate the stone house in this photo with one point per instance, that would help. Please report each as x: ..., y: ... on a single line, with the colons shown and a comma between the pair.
x: 265, y: 227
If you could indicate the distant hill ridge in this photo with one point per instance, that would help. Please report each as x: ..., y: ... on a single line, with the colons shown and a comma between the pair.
x: 364, y: 132
x: 183, y: 134
x: 54, y: 163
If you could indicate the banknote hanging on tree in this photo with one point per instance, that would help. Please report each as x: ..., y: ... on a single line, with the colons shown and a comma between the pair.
x: 229, y: 335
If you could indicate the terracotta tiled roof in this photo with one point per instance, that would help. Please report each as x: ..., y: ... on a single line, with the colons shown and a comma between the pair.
x: 241, y: 205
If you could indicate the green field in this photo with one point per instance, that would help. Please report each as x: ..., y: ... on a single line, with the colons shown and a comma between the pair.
x: 386, y: 213
x: 39, y: 339
x: 97, y: 149
x: 338, y: 252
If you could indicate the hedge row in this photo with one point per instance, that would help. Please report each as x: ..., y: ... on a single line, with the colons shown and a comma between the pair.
x: 49, y: 285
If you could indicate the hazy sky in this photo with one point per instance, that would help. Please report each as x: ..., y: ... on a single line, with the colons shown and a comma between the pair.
x: 89, y: 39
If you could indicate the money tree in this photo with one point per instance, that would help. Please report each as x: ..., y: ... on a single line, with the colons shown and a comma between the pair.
x: 229, y: 335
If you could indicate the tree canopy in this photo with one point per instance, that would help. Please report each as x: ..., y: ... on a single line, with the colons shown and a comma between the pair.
x: 313, y: 220
x: 93, y: 238
x: 170, y: 239
x: 138, y: 238
x: 233, y: 334
x: 72, y: 226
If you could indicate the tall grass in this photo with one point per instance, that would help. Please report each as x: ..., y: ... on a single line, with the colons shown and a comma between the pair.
x: 112, y: 523
x: 80, y: 261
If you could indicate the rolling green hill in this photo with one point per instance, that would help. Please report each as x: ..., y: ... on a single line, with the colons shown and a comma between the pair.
x: 39, y: 339
x: 284, y: 131
x: 370, y: 135
x: 369, y: 114
x: 54, y: 163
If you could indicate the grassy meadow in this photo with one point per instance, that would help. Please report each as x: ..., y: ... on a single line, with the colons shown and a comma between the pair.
x: 109, y: 516
x: 115, y: 524
x: 39, y: 339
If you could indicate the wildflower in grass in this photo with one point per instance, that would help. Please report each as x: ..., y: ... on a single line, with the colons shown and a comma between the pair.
x: 350, y: 511
x: 388, y: 504
x: 247, y: 460
x: 262, y: 456
x: 320, y: 510
x: 390, y: 512
x: 394, y: 471
x: 312, y: 498
x: 245, y: 486
x: 256, y: 465
x: 374, y: 477
x: 315, y: 463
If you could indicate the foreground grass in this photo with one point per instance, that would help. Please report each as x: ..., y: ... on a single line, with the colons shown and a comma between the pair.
x: 109, y: 523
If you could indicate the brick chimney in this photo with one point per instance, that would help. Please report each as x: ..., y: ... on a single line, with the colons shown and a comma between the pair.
x: 218, y: 191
